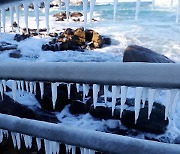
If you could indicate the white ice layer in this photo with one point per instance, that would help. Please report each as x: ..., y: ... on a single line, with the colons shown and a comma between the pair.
x: 54, y: 93
x: 67, y: 9
x: 85, y: 6
x: 46, y: 145
x: 96, y: 89
x: 41, y: 85
x: 77, y: 86
x: 144, y: 96
x: 26, y: 10
x: 14, y: 88
x: 69, y: 90
x: 115, y: 9
x: 27, y: 86
x: 138, y: 96
x: 11, y: 10
x: 36, y: 12
x: 47, y: 7
x: 114, y: 96
x: 3, y: 13
x: 123, y: 98
x: 17, y: 15
x: 27, y: 141
x: 38, y: 141
x: 31, y: 87
x: 105, y: 92
x: 92, y: 4
x: 85, y: 91
x: 53, y: 147
x: 137, y: 9
x: 151, y: 98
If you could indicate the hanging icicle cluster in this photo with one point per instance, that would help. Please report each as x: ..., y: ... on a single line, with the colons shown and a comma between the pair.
x: 15, y: 8
x: 51, y: 147
x: 142, y: 94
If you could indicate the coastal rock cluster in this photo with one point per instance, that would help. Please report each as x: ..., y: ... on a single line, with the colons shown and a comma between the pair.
x: 76, y: 39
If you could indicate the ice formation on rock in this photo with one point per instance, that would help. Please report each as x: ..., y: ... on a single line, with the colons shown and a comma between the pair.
x: 138, y: 97
x: 123, y: 98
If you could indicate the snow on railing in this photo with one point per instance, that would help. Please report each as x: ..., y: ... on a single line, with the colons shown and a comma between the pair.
x: 147, y: 79
x: 89, y: 141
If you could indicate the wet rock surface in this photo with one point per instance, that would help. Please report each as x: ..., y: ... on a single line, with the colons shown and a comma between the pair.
x: 134, y: 53
x: 76, y: 39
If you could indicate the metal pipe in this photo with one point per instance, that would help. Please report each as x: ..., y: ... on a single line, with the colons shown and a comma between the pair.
x: 99, y: 141
x: 128, y: 74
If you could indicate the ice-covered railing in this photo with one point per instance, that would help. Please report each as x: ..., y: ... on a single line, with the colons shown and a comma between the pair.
x: 147, y: 79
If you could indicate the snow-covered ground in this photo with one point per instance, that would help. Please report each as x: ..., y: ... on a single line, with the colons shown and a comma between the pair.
x: 155, y: 29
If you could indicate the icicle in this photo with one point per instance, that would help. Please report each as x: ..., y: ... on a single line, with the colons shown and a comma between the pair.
x: 77, y: 86
x: 34, y: 87
x: 13, y: 139
x: 47, y: 6
x: 1, y: 135
x: 174, y: 105
x: 82, y: 150
x: 18, y: 86
x: 69, y: 90
x: 22, y: 87
x: 105, y: 92
x: 38, y: 141
x: 56, y: 147
x: 27, y: 141
x: 96, y: 89
x: 1, y: 90
x: 11, y: 10
x: 54, y: 93
x: 68, y: 148
x: 41, y: 85
x: 123, y: 98
x: 178, y: 11
x: 91, y: 151
x: 86, y: 151
x: 118, y: 91
x: 4, y: 85
x: 17, y: 16
x: 26, y: 10
x: 46, y: 144
x: 151, y: 97
x: 137, y: 9
x: 171, y: 5
x: 14, y: 88
x: 5, y: 133
x: 60, y: 6
x: 85, y: 5
x: 36, y: 13
x: 115, y: 9
x: 92, y: 4
x: 153, y: 4
x: 138, y: 96
x: 31, y: 87
x: 170, y: 94
x: 3, y: 13
x: 158, y: 91
x: 114, y: 96
x: 73, y: 150
x: 27, y: 86
x: 18, y: 140
x: 67, y: 9
x: 144, y: 96
x: 0, y: 23
x: 85, y: 91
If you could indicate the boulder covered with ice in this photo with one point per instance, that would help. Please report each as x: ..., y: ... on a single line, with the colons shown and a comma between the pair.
x: 7, y: 46
x: 134, y: 53
x: 77, y: 40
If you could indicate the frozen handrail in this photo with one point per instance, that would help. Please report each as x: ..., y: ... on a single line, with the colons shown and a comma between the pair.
x: 128, y: 74
x: 99, y: 141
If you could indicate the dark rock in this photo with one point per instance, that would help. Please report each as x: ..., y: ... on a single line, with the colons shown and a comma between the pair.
x: 177, y: 140
x: 7, y: 46
x: 107, y: 41
x: 156, y: 124
x: 134, y: 53
x: 45, y: 47
x: 53, y: 34
x: 19, y: 37
x: 89, y: 35
x: 15, y: 25
x: 77, y: 107
x: 8, y: 106
x: 76, y: 14
x: 15, y: 54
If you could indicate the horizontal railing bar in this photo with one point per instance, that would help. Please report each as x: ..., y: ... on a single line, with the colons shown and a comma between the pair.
x: 99, y: 141
x: 129, y: 74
